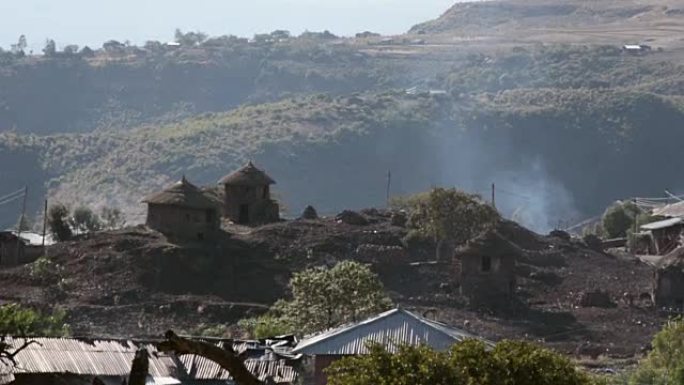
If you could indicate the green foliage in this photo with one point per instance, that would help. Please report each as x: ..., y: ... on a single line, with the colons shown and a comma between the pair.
x: 83, y: 219
x: 665, y: 363
x: 448, y: 214
x: 467, y: 363
x: 266, y: 326
x: 112, y: 218
x: 20, y: 321
x: 58, y: 222
x: 619, y: 218
x: 327, y: 297
x: 46, y: 271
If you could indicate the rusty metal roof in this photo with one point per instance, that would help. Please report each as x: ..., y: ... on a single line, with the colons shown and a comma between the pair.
x: 108, y: 357
x: 200, y: 368
x: 87, y: 357
x: 390, y: 329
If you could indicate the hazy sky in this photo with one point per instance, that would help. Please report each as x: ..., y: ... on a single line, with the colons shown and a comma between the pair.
x: 95, y: 21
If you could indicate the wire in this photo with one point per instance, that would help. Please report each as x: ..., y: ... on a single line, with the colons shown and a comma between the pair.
x: 10, y: 200
x: 20, y: 192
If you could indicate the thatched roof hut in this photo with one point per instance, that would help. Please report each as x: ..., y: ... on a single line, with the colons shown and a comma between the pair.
x: 489, y: 243
x: 182, y: 194
x: 248, y: 175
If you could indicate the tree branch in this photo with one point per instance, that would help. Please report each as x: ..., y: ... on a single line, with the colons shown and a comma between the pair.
x: 224, y: 357
x: 6, y: 355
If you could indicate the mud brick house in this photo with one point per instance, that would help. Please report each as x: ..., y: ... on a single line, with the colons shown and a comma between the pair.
x: 183, y: 211
x: 77, y: 361
x: 247, y: 197
x: 485, y: 267
x: 669, y: 281
x: 666, y: 234
x: 11, y: 249
x: 390, y: 329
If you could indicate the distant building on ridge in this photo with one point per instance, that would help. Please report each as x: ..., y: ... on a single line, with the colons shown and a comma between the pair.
x: 247, y: 197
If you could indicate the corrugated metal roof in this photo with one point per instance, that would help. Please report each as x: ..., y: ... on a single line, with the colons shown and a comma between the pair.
x: 662, y: 224
x: 99, y: 357
x: 674, y: 210
x: 391, y: 329
x: 200, y: 368
x: 87, y: 357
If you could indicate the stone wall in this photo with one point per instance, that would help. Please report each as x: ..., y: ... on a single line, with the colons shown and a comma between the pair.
x: 180, y: 222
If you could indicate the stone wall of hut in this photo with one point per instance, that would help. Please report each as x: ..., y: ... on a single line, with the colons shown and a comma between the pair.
x: 669, y: 289
x: 485, y: 277
x: 250, y: 205
x: 180, y: 222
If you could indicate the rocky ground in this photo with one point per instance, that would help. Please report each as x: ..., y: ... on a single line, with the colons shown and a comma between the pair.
x: 135, y: 282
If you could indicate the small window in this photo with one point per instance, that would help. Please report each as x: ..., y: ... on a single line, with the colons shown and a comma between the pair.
x: 486, y: 264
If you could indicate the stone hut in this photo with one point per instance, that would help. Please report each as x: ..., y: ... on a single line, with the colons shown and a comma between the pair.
x: 183, y: 211
x: 247, y: 197
x: 669, y: 280
x: 485, y: 267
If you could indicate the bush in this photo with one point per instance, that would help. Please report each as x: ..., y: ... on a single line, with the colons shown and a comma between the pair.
x: 619, y: 218
x: 58, y: 222
x: 665, y: 363
x: 266, y: 326
x: 468, y: 362
x: 19, y: 321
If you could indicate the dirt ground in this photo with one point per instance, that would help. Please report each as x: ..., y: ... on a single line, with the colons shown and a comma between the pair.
x: 135, y: 282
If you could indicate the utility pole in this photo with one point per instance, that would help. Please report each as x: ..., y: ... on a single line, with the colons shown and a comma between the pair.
x: 44, y: 223
x: 21, y: 220
x: 389, y: 185
x: 493, y: 195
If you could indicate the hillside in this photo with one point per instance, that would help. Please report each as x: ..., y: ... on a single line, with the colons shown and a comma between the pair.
x: 655, y: 22
x: 134, y: 282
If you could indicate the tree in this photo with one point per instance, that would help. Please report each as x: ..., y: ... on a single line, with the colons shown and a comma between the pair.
x: 71, y: 49
x: 58, y: 222
x: 21, y: 322
x: 265, y: 326
x: 20, y: 47
x: 327, y: 297
x: 112, y: 218
x: 83, y: 219
x: 468, y: 362
x: 190, y: 39
x: 50, y: 48
x: 619, y: 218
x: 664, y: 365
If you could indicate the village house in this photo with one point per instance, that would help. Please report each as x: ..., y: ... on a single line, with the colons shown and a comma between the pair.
x: 58, y: 361
x: 665, y: 235
x: 247, y: 197
x: 485, y: 267
x: 669, y: 281
x: 390, y: 329
x: 183, y: 211
x: 21, y: 248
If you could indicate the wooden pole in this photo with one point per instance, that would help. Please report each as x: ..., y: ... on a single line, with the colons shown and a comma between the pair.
x: 493, y: 195
x: 44, y: 223
x: 389, y: 185
x: 21, y: 219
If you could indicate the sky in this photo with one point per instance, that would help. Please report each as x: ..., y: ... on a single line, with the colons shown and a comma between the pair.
x: 91, y: 22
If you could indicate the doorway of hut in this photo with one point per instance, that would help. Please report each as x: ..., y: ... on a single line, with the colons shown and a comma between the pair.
x: 243, y: 217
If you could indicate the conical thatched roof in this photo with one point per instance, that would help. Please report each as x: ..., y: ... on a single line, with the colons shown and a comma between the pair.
x: 182, y: 194
x: 489, y: 243
x: 248, y: 175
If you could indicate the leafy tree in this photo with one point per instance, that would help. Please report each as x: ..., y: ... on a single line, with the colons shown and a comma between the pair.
x: 665, y: 363
x: 190, y: 39
x: 449, y: 216
x: 83, y: 219
x: 112, y: 218
x: 20, y: 321
x: 58, y: 222
x: 468, y: 362
x: 327, y: 297
x: 50, y: 48
x: 264, y: 326
x: 87, y: 52
x: 71, y: 49
x: 619, y: 218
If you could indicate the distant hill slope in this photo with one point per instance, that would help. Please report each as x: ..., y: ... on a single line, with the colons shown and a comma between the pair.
x: 546, y: 20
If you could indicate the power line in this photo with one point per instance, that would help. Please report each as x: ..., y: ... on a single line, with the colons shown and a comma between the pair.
x: 18, y: 192
x: 11, y: 199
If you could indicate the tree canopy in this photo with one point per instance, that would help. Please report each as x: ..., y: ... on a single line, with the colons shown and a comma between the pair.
x: 469, y: 362
x: 664, y: 365
x: 323, y: 298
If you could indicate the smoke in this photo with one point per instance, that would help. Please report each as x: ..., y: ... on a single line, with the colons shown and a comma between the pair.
x: 473, y: 160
